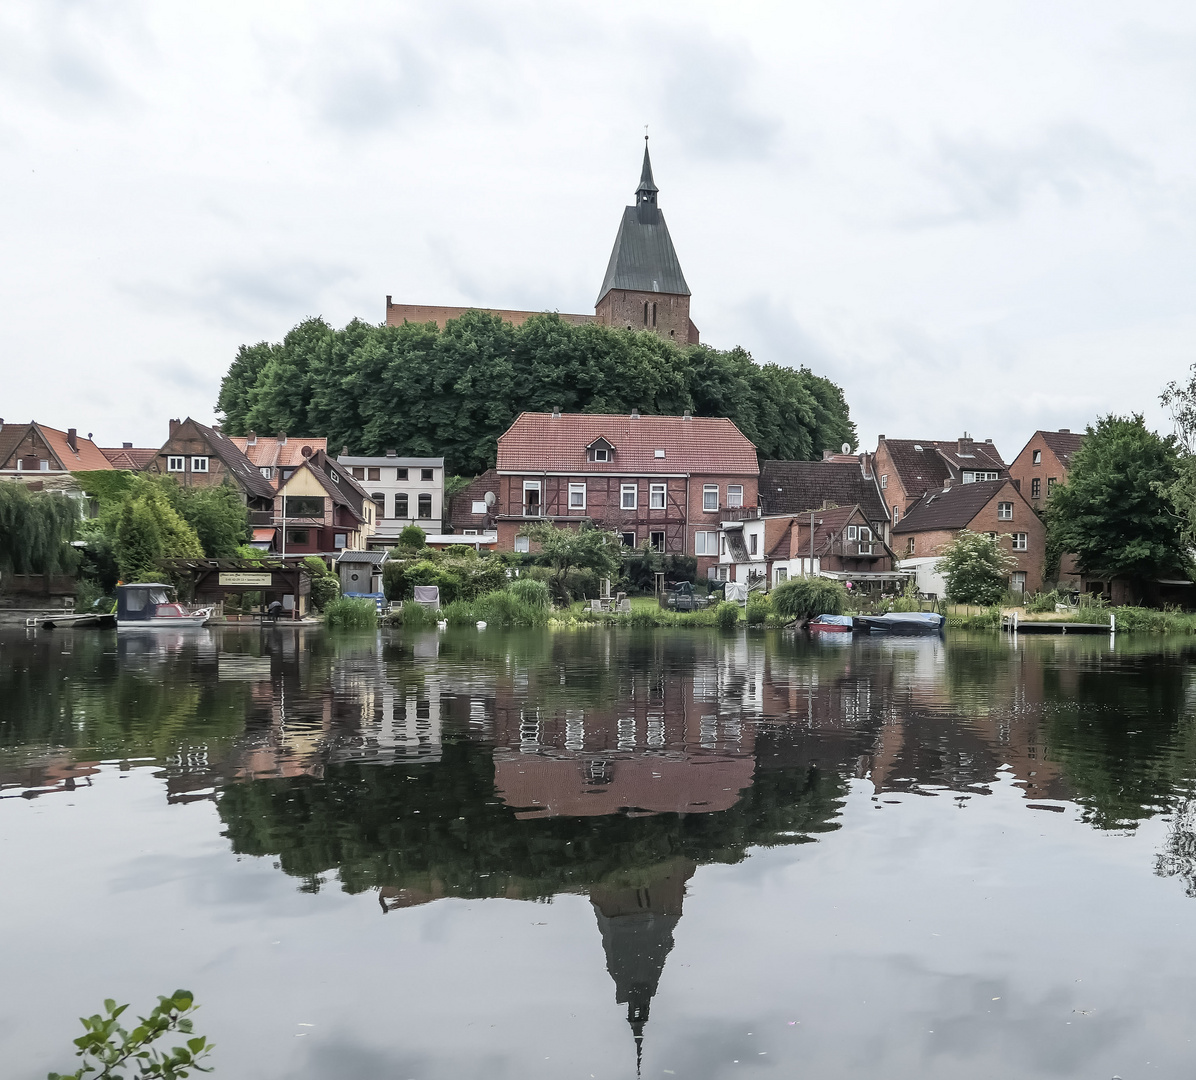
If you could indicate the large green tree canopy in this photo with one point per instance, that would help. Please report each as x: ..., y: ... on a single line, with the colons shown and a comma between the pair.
x: 452, y: 392
x: 1114, y: 512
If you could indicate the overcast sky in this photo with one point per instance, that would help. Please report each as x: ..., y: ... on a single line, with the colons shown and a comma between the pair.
x: 972, y: 216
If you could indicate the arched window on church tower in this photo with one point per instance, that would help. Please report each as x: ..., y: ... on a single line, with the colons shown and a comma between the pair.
x: 653, y: 313
x: 645, y: 312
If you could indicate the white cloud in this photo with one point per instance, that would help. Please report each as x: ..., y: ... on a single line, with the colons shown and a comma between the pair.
x: 973, y: 218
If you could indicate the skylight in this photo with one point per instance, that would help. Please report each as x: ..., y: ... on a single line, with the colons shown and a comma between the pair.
x: 917, y: 447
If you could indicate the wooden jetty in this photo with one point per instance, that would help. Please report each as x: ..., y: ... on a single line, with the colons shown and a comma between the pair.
x: 1013, y: 625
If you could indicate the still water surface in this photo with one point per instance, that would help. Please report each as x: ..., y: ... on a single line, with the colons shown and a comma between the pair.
x: 575, y: 854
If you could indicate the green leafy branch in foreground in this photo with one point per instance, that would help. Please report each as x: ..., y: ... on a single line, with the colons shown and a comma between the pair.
x: 107, y: 1049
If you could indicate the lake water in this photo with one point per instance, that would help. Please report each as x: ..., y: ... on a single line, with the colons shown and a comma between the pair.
x: 579, y: 853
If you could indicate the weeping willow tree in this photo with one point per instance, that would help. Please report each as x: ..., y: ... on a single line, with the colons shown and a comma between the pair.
x: 36, y: 530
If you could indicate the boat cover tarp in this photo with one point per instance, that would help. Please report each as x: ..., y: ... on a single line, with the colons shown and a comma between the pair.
x: 835, y: 620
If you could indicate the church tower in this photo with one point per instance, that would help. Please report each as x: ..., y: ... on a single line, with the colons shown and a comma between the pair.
x: 644, y: 288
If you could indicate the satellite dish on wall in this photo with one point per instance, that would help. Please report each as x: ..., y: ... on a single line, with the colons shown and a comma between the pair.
x: 847, y: 448
x: 489, y: 498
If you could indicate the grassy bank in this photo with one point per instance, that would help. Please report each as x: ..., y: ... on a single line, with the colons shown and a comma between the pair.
x: 1130, y: 620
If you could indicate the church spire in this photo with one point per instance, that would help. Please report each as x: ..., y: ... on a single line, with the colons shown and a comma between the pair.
x: 646, y: 192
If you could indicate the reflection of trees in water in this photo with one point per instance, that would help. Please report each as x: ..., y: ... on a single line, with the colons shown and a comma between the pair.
x: 440, y: 831
x: 1178, y: 857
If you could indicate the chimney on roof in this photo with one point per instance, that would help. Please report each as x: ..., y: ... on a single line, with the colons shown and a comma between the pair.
x: 688, y: 415
x: 72, y: 439
x: 251, y: 439
x: 827, y: 455
x: 965, y: 443
x: 1, y: 423
x: 880, y: 438
x: 988, y: 442
x: 1065, y: 431
x: 635, y: 414
x: 174, y: 426
x: 556, y: 412
x: 392, y: 453
x: 282, y: 438
x: 126, y: 446
x: 947, y: 483
x: 344, y: 451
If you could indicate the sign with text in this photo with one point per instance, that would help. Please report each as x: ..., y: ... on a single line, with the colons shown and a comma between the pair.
x: 231, y: 578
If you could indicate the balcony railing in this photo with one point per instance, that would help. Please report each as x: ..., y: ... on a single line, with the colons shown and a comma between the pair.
x: 741, y: 513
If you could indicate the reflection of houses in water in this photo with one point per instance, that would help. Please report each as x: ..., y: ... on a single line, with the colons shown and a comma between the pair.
x: 671, y: 741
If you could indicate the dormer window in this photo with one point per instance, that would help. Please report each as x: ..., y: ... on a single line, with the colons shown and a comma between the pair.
x: 600, y: 450
x: 267, y: 472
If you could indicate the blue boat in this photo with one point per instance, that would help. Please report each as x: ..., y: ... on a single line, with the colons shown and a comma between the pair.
x: 900, y: 622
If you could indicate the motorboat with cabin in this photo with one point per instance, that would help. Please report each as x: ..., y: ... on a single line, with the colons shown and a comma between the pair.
x: 154, y: 606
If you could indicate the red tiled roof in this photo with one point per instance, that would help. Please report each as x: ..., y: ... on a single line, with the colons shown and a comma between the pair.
x: 87, y: 458
x: 268, y: 451
x: 951, y: 508
x: 793, y: 486
x: 129, y: 457
x: 1063, y: 444
x: 536, y: 442
x: 937, y: 460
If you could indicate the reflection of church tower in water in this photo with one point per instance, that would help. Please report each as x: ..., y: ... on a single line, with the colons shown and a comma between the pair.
x: 637, y: 923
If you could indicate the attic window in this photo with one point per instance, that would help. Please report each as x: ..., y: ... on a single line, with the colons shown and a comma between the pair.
x: 917, y: 447
x: 659, y: 453
x: 601, y: 453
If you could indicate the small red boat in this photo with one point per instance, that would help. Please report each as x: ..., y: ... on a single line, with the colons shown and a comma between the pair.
x: 831, y: 624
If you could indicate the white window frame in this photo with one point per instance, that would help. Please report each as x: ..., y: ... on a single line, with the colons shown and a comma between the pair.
x: 176, y: 463
x: 753, y: 543
x: 1037, y: 457
x: 601, y: 453
x: 1004, y: 511
x: 623, y: 538
x: 577, y: 496
x: 340, y: 541
x: 884, y: 481
x: 896, y: 514
x: 865, y: 534
x: 199, y: 464
x: 852, y: 532
x: 710, y: 506
x: 705, y: 543
x: 523, y: 543
x: 657, y: 496
x: 469, y: 532
x: 1021, y: 541
x: 532, y: 485
x: 624, y: 491
x: 479, y: 506
x: 734, y: 495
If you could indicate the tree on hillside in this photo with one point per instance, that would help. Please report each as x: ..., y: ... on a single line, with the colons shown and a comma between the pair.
x: 1115, y: 511
x: 452, y: 392
x: 1182, y: 491
x: 976, y: 568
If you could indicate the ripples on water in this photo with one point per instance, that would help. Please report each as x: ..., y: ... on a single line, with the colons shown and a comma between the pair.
x: 275, y: 777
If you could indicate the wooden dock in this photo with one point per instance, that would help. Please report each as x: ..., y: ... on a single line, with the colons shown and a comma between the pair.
x: 1013, y: 625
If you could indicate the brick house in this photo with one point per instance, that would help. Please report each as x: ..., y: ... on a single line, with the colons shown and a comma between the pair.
x: 791, y: 487
x: 314, y: 512
x: 468, y: 512
x: 199, y: 456
x: 669, y: 481
x: 987, y: 506
x: 845, y: 546
x: 1043, y: 463
x: 276, y: 457
x: 906, y: 469
x: 44, y: 457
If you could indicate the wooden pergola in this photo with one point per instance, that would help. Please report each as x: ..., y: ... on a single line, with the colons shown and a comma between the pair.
x: 214, y: 579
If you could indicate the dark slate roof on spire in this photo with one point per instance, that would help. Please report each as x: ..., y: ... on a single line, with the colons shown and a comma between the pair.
x: 643, y: 258
x: 646, y: 181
